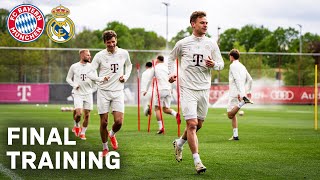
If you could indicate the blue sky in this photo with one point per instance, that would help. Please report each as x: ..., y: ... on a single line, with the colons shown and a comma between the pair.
x: 151, y: 14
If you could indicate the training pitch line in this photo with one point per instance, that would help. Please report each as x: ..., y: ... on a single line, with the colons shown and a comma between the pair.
x: 9, y: 173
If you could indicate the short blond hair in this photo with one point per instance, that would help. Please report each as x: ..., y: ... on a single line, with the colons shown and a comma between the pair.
x: 83, y: 50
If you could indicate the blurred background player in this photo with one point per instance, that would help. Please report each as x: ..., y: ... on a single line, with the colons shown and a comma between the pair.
x: 80, y: 77
x: 199, y: 55
x: 161, y: 73
x: 83, y: 130
x: 114, y: 63
x: 239, y: 79
x: 146, y: 91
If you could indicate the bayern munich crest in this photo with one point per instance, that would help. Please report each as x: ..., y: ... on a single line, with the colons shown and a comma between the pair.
x: 60, y: 28
x: 26, y: 23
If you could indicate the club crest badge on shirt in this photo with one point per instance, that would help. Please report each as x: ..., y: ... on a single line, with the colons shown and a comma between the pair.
x: 26, y: 23
x: 60, y: 28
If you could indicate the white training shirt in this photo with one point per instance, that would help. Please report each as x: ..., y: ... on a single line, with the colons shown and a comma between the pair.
x: 239, y: 78
x: 161, y: 72
x: 114, y: 66
x: 146, y: 79
x: 82, y: 75
x: 192, y: 50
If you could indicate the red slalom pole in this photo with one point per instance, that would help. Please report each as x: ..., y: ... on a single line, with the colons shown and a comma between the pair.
x: 151, y: 100
x: 138, y: 81
x: 159, y: 105
x: 158, y: 94
x: 178, y: 98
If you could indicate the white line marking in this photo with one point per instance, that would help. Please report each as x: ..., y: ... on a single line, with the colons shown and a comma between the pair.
x: 9, y: 173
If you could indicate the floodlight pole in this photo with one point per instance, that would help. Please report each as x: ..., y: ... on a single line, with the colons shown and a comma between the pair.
x: 218, y: 41
x: 300, y: 47
x: 166, y: 4
x: 300, y: 51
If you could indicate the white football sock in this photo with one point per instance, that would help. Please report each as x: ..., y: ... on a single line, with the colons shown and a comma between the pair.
x: 241, y: 104
x: 77, y: 124
x: 235, y: 132
x: 181, y: 142
x: 196, y: 158
x: 83, y: 130
x: 111, y: 133
x: 105, y: 145
x: 160, y: 124
x: 174, y: 113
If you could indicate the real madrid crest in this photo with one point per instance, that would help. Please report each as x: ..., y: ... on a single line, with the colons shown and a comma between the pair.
x: 60, y: 29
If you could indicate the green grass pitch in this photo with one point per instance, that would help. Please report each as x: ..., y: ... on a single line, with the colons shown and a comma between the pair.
x: 276, y: 142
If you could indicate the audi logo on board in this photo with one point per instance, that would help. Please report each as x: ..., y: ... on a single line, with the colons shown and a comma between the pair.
x: 282, y: 95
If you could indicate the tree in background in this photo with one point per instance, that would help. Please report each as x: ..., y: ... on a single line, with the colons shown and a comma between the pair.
x: 89, y: 39
x: 50, y: 64
x: 180, y: 35
x: 300, y: 71
x: 249, y: 36
x: 313, y: 44
x: 314, y: 47
x: 227, y: 39
x: 19, y: 64
x: 3, y: 20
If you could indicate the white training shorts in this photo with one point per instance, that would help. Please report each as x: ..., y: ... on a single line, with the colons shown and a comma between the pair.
x: 232, y: 102
x: 194, y: 103
x: 110, y: 99
x: 83, y: 101
x: 165, y: 98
